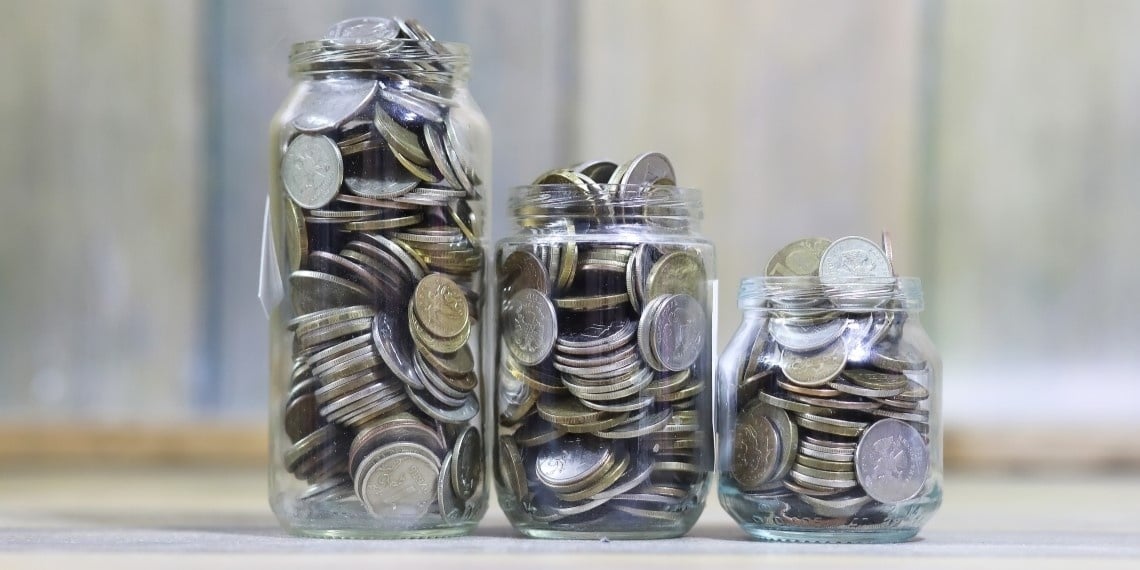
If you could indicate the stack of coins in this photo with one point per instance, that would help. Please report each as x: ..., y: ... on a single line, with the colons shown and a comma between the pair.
x: 384, y: 279
x: 833, y: 408
x: 604, y: 354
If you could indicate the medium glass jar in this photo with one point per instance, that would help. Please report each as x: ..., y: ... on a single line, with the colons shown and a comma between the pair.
x: 604, y: 383
x: 380, y: 158
x: 829, y: 407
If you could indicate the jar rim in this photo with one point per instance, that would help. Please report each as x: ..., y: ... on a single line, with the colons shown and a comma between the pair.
x: 810, y: 294
x: 670, y: 207
x: 325, y: 55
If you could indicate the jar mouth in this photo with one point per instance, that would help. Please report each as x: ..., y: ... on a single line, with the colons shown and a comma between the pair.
x: 663, y: 206
x: 809, y: 294
x: 417, y: 57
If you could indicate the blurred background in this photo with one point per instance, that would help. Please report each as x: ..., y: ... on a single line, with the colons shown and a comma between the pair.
x: 996, y: 140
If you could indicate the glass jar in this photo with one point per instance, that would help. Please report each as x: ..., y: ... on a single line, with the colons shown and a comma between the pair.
x: 829, y: 411
x: 604, y: 383
x: 380, y: 158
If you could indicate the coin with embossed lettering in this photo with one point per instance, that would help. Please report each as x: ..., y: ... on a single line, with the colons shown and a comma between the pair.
x: 678, y: 331
x: 891, y: 461
x: 530, y: 326
x: 311, y: 170
x: 755, y: 449
x: 853, y: 258
x: 678, y: 272
x: 399, y: 483
x: 817, y: 368
x: 441, y: 306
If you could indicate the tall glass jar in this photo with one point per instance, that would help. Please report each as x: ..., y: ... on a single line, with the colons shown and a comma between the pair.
x: 829, y: 413
x: 380, y: 158
x: 604, y: 383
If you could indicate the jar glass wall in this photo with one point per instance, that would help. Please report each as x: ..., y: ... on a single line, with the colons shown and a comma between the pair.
x: 604, y: 362
x: 829, y: 402
x: 380, y: 159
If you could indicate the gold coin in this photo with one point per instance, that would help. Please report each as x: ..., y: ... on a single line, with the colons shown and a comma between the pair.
x: 441, y: 306
x: 593, y: 302
x: 676, y: 273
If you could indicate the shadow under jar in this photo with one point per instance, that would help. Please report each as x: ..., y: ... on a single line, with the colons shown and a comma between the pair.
x: 380, y: 159
x: 829, y: 411
x: 604, y: 382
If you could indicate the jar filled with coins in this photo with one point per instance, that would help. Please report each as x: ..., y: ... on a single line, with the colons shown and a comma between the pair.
x: 604, y: 362
x: 829, y: 399
x: 380, y: 162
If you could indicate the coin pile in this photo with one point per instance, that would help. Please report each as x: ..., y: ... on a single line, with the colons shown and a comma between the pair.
x: 833, y: 405
x: 604, y: 354
x: 384, y: 277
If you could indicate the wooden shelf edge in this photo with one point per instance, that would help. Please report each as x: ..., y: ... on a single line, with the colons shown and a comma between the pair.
x: 990, y: 448
x: 205, y: 444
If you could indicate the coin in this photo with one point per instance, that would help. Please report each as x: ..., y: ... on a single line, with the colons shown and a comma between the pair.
x: 522, y: 270
x: 395, y: 347
x: 891, y: 461
x: 815, y: 368
x: 441, y: 306
x: 799, y: 258
x: 678, y: 272
x: 530, y: 326
x: 575, y: 460
x: 400, y: 484
x: 512, y: 473
x: 651, y: 168
x: 466, y: 472
x: 805, y: 338
x: 325, y: 105
x: 362, y: 31
x: 677, y: 333
x: 313, y: 291
x: 592, y: 302
x: 756, y: 449
x: 311, y: 170
x: 853, y: 258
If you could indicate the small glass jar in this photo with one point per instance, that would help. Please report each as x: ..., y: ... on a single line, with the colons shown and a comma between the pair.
x: 829, y: 411
x: 380, y: 159
x: 604, y: 383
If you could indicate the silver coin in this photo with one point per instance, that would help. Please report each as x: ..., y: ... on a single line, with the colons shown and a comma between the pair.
x: 853, y: 258
x: 530, y: 326
x: 401, y: 484
x: 394, y: 343
x: 312, y: 291
x: 327, y: 104
x: 678, y: 332
x: 891, y: 461
x: 573, y: 461
x: 841, y: 507
x: 311, y: 170
x: 460, y: 148
x: 450, y: 505
x: 597, y: 337
x: 466, y: 473
x: 805, y: 338
x: 445, y: 414
x: 390, y: 183
x: 651, y: 168
x: 362, y: 31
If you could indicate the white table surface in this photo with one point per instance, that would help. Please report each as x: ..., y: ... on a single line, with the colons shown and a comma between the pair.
x: 218, y: 519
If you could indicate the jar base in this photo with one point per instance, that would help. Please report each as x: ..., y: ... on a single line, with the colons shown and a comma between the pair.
x: 847, y: 536
x: 639, y: 534
x: 382, y: 534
